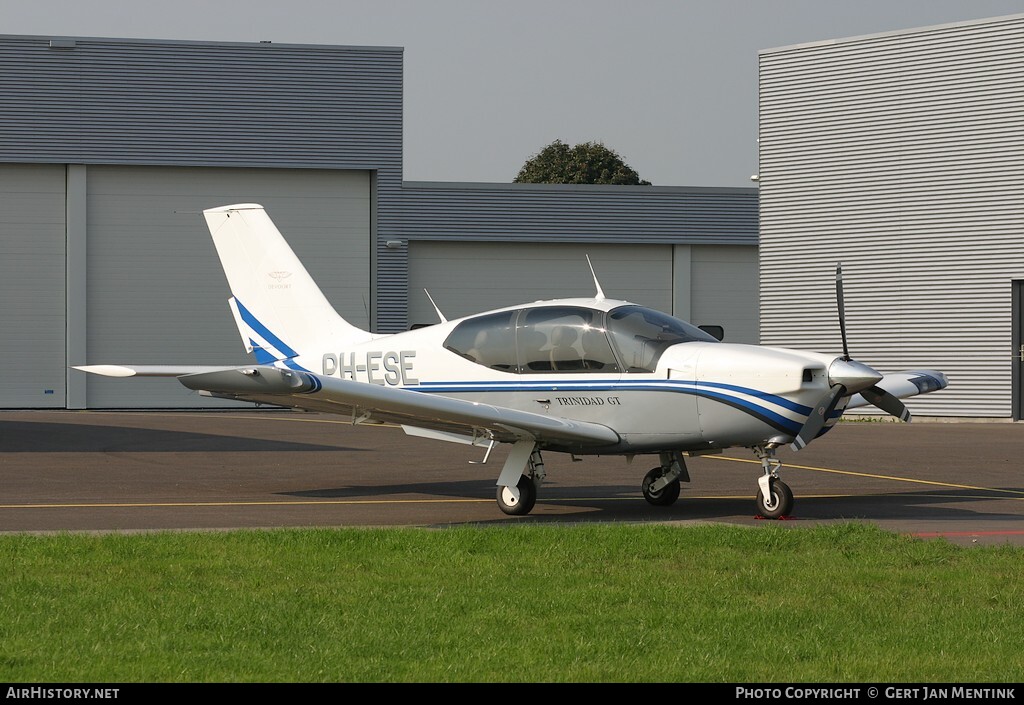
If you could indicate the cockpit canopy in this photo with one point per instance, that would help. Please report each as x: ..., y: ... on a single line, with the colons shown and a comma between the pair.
x: 571, y: 339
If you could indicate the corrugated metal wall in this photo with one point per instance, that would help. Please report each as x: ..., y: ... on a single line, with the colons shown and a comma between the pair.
x: 574, y: 213
x: 134, y: 101
x: 902, y: 156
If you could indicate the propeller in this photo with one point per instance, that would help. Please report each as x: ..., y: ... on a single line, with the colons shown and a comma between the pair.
x: 846, y: 377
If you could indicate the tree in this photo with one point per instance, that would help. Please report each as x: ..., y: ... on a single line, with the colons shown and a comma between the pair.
x: 586, y: 163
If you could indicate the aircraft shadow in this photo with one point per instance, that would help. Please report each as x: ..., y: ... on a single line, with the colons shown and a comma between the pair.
x: 626, y: 504
x: 47, y: 437
x: 931, y: 505
x: 470, y: 489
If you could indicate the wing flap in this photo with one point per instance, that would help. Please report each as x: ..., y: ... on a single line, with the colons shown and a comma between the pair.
x: 305, y: 390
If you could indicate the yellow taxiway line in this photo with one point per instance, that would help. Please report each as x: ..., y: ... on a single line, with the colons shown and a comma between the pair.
x: 875, y: 476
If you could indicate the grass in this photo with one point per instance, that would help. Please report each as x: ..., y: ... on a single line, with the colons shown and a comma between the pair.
x: 580, y: 603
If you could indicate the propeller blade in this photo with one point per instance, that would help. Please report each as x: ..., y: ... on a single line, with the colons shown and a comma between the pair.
x: 842, y: 308
x: 886, y: 402
x: 819, y: 415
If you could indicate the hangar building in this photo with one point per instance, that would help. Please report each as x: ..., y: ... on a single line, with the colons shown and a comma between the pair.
x: 902, y: 156
x: 111, y: 148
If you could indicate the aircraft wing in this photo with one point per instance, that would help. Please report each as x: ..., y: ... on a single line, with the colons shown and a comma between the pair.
x: 905, y: 384
x: 368, y: 403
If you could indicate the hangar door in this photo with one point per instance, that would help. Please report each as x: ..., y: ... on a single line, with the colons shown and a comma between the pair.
x: 723, y: 283
x: 466, y: 278
x: 156, y: 290
x: 32, y: 285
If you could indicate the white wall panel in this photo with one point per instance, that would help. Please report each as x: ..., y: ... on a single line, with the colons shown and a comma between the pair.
x: 901, y: 155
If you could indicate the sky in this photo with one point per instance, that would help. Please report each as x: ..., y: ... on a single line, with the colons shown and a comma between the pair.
x: 671, y: 86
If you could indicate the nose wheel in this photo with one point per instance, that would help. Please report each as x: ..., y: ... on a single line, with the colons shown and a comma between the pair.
x: 777, y: 503
x: 774, y: 498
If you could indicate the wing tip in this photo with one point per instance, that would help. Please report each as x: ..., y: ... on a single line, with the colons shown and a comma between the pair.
x: 106, y: 370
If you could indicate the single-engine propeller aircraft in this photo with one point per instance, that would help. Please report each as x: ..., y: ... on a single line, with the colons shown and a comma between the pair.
x: 586, y: 376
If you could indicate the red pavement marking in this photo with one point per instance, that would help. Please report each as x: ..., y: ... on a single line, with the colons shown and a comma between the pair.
x: 936, y: 534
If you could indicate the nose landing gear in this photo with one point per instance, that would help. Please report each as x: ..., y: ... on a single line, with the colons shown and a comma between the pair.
x: 774, y: 498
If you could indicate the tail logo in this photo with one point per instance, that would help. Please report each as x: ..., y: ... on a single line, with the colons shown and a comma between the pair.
x: 279, y: 276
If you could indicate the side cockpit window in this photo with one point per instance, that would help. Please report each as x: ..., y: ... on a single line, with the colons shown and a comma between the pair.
x: 487, y: 340
x: 550, y: 339
x: 563, y: 339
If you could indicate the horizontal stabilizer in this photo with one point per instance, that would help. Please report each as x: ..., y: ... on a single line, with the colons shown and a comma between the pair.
x: 905, y: 384
x: 147, y: 370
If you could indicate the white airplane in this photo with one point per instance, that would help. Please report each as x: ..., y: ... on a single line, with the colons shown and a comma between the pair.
x: 586, y: 376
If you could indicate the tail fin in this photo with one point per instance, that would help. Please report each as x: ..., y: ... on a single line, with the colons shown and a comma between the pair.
x: 278, y: 308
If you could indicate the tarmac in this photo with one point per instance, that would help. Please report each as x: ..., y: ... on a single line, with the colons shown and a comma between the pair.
x: 100, y: 471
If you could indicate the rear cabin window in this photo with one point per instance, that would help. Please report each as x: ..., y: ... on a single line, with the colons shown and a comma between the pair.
x: 642, y: 334
x: 487, y: 340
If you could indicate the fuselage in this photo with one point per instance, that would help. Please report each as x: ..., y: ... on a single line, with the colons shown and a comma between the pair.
x: 659, y: 382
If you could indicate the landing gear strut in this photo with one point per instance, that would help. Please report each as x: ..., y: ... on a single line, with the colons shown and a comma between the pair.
x: 774, y: 498
x: 661, y: 485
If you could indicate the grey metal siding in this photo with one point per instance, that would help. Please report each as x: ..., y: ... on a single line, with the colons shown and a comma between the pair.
x: 32, y: 285
x: 224, y: 104
x: 156, y: 291
x: 900, y: 155
x: 572, y: 213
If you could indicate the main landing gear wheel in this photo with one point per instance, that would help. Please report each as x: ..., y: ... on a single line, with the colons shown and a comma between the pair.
x: 781, y: 502
x: 518, y: 500
x: 663, y: 497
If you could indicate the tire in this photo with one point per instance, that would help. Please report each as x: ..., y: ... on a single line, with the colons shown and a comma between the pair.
x: 666, y: 496
x: 782, y: 495
x: 519, y: 502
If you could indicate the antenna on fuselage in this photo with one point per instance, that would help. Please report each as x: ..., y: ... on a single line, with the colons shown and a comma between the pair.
x: 439, y: 314
x: 599, y: 296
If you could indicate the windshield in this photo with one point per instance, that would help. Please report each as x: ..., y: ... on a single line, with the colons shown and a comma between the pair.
x: 642, y: 334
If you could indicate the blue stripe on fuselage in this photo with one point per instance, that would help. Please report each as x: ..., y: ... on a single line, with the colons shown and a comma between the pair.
x: 708, y: 390
x: 608, y: 385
